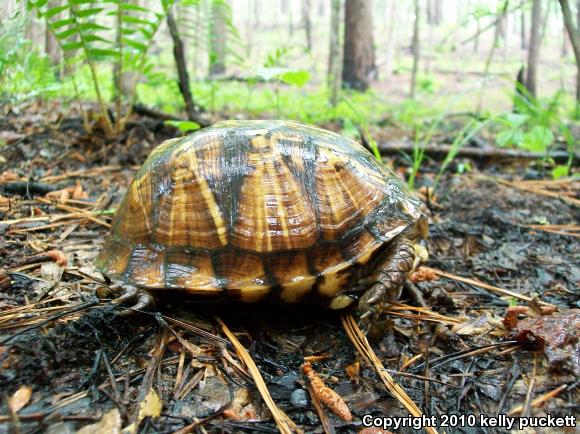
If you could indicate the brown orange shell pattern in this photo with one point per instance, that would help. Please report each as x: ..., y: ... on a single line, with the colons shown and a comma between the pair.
x: 250, y: 208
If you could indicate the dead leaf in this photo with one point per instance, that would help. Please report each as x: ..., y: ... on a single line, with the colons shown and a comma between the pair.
x: 110, y: 423
x: 353, y: 371
x: 557, y: 336
x: 20, y: 398
x: 150, y: 407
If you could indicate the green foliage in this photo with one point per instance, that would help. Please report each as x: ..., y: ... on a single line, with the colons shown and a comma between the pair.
x: 363, y: 126
x: 534, y: 125
x: 76, y: 27
x: 466, y: 134
x: 184, y: 126
x: 24, y: 72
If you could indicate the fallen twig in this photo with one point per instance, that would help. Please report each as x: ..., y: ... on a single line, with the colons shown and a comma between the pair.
x: 440, y: 150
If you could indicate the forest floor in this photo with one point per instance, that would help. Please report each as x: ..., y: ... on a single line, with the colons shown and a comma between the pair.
x: 498, y: 332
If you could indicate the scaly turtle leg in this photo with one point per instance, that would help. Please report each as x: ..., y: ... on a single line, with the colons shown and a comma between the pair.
x: 387, y: 281
x: 140, y: 298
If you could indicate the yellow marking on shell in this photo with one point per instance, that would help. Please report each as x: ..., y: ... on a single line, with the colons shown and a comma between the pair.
x: 163, y: 146
x: 292, y: 273
x: 192, y: 272
x: 273, y: 213
x: 334, y: 279
x: 244, y: 273
x: 210, y: 201
x: 132, y: 220
x: 341, y: 301
x: 346, y: 195
x: 253, y: 293
x: 295, y: 290
x: 189, y: 215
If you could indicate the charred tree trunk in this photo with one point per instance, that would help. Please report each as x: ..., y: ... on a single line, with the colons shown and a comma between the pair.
x: 520, y: 82
x: 416, y: 48
x: 333, y: 74
x: 217, y: 39
x: 307, y: 23
x: 534, y: 47
x: 574, y: 34
x: 359, y: 58
x: 181, y: 64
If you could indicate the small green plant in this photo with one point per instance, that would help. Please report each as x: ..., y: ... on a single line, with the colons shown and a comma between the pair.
x: 362, y: 124
x: 83, y: 40
x: 533, y: 126
x: 184, y: 126
x: 466, y: 134
x: 24, y: 72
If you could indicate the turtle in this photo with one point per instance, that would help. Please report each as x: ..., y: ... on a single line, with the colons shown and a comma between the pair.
x: 265, y: 211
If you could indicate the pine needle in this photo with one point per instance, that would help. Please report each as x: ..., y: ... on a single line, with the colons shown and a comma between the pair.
x: 285, y: 424
x: 362, y: 345
x: 492, y: 288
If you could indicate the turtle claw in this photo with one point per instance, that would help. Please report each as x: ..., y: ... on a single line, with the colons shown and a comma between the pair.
x: 129, y: 293
x: 369, y: 317
x: 140, y: 299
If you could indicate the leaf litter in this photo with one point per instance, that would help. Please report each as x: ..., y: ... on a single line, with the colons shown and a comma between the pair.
x: 71, y: 363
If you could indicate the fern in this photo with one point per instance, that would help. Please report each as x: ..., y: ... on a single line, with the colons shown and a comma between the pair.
x: 83, y: 31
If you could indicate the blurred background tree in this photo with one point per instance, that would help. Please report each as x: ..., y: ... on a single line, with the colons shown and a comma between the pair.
x: 457, y: 56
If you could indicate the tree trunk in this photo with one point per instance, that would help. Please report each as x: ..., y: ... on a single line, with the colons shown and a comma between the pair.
x: 574, y: 34
x: 50, y: 43
x: 307, y: 23
x: 391, y: 38
x: 333, y: 75
x: 534, y: 50
x: 523, y: 31
x: 506, y: 34
x: 217, y: 39
x: 491, y: 51
x: 359, y: 58
x: 476, y: 39
x: 416, y: 48
x: 181, y: 64
x: 438, y: 12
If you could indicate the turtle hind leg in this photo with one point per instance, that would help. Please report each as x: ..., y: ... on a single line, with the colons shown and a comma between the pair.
x: 388, y: 279
x: 139, y: 298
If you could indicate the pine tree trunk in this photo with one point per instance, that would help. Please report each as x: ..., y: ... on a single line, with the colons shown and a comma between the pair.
x: 217, y: 39
x: 50, y: 43
x: 534, y: 47
x: 574, y: 34
x: 359, y: 58
x: 333, y: 74
x: 416, y: 48
x: 523, y: 31
x: 391, y: 38
x: 307, y: 23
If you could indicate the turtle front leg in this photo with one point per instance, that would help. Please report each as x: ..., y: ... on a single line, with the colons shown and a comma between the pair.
x: 138, y: 297
x: 387, y: 281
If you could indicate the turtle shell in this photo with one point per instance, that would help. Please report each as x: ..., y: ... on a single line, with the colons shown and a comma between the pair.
x: 250, y: 209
